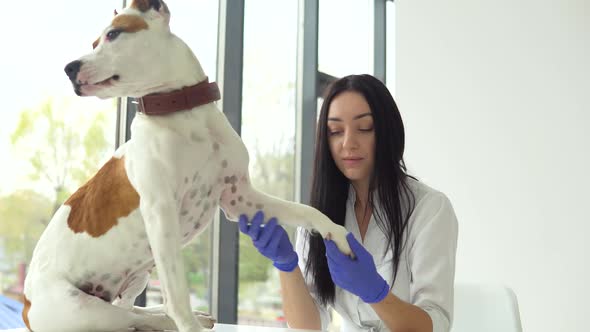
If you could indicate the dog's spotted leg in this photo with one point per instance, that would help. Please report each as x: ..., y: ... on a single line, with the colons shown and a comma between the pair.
x: 162, y: 218
x: 240, y: 197
x: 160, y: 212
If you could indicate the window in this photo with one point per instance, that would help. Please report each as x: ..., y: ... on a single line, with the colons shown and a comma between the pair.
x: 390, y: 40
x: 268, y: 130
x: 51, y: 141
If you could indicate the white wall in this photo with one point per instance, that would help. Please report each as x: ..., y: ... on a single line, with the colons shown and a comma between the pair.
x: 496, y: 100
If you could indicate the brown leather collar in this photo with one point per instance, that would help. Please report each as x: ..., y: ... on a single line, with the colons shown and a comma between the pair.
x: 179, y: 100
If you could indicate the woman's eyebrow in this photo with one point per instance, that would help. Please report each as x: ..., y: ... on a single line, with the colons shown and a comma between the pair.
x: 355, y: 118
x: 362, y: 115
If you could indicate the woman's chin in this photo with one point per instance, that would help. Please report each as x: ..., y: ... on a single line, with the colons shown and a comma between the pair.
x: 355, y: 174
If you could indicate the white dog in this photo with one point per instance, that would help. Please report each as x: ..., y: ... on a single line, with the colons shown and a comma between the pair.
x: 158, y: 192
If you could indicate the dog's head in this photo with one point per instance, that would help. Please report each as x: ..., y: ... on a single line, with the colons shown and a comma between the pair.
x: 135, y: 55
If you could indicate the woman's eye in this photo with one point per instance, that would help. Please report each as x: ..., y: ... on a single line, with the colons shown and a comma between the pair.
x: 334, y: 132
x: 366, y: 129
x: 111, y: 35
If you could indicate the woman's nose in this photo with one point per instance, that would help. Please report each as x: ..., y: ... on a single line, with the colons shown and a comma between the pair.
x: 350, y: 140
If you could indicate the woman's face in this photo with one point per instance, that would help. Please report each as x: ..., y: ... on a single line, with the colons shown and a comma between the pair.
x: 351, y: 136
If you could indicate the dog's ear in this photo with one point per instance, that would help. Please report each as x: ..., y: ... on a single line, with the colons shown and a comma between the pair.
x: 152, y: 9
x: 145, y: 5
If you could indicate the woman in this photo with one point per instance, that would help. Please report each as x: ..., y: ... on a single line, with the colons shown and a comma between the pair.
x: 402, y: 232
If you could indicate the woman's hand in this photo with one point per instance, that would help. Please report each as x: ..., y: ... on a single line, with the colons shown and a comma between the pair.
x: 359, y: 275
x: 271, y: 240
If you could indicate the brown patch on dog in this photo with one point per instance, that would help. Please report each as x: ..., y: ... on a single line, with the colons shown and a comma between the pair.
x: 141, y: 5
x: 26, y: 309
x: 129, y: 23
x: 145, y: 5
x: 108, y: 196
x: 95, y: 43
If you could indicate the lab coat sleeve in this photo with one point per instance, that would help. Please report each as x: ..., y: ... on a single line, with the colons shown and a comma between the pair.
x: 432, y: 251
x: 301, y: 249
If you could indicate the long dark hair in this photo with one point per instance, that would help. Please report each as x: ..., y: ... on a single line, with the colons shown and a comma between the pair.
x: 330, y: 187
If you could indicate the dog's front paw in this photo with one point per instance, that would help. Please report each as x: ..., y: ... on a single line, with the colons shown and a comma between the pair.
x: 338, y: 234
x: 198, y: 329
x: 206, y: 320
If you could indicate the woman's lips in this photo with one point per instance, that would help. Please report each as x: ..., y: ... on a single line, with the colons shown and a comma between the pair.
x: 352, y: 162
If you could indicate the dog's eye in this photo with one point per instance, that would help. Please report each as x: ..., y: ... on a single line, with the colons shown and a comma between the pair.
x: 111, y: 35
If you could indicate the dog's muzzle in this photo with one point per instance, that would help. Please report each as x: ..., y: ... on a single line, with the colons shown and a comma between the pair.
x: 72, y: 69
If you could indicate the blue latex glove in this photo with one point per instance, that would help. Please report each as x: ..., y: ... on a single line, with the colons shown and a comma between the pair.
x: 358, y: 276
x: 271, y: 240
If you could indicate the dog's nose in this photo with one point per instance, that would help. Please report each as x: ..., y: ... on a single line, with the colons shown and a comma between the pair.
x: 72, y: 69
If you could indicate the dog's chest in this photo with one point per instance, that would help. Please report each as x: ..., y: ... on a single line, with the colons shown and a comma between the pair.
x: 198, y: 201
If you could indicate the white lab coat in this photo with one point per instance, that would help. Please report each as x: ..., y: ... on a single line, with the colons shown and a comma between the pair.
x: 426, y: 270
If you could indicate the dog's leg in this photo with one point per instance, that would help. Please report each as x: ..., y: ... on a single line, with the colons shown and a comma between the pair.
x: 239, y: 197
x: 162, y: 226
x: 128, y: 296
x: 204, y: 318
x: 160, y: 212
x: 61, y: 307
x: 242, y: 198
